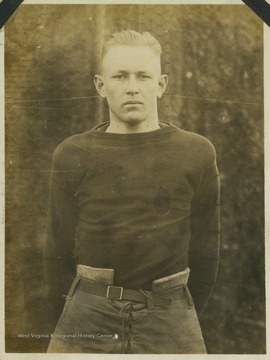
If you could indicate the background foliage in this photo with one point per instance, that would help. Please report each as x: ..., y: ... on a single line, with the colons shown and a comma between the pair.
x: 213, y: 56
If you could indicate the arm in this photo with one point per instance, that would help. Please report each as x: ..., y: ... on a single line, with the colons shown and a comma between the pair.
x: 60, y: 237
x: 204, y: 242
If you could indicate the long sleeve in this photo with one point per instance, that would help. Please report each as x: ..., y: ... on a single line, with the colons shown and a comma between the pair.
x: 60, y: 236
x: 204, y: 242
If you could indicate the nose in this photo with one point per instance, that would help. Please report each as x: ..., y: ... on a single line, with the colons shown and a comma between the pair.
x: 132, y: 86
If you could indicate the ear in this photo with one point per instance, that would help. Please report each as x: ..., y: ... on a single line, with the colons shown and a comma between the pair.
x: 99, y: 84
x: 163, y: 82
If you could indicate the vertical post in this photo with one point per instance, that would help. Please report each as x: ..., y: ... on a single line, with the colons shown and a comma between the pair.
x: 100, y: 33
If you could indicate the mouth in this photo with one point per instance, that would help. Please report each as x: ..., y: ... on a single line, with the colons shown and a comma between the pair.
x: 132, y: 102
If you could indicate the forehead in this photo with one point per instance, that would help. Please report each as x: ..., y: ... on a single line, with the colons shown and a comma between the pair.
x: 131, y: 58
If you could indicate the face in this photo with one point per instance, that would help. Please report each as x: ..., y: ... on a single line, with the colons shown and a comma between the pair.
x: 131, y: 82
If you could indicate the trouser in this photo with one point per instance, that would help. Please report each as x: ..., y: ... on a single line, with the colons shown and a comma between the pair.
x: 91, y: 323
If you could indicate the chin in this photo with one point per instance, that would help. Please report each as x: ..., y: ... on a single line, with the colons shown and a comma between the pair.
x: 133, y: 120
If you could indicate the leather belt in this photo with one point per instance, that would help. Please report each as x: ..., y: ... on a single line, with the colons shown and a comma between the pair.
x: 163, y: 299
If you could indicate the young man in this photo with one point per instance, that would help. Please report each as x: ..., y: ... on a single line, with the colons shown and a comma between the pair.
x: 133, y: 211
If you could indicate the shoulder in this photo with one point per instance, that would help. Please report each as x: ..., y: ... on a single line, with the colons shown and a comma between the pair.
x: 195, y: 144
x: 198, y: 156
x: 72, y: 150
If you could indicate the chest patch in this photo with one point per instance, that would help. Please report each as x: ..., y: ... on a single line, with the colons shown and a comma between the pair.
x: 162, y: 201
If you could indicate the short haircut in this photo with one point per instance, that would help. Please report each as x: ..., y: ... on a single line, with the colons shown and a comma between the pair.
x: 132, y: 38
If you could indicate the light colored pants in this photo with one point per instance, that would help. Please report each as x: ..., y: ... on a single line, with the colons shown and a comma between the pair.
x: 95, y: 324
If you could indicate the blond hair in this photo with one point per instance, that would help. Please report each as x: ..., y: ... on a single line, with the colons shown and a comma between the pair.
x: 132, y: 38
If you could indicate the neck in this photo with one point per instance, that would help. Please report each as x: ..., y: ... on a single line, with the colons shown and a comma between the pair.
x: 132, y: 127
x: 113, y: 128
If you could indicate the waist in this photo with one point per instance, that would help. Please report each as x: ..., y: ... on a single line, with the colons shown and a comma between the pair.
x: 106, y: 277
x: 138, y: 258
x: 164, y: 290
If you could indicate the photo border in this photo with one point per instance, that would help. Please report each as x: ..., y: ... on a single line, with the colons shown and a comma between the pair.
x: 15, y: 356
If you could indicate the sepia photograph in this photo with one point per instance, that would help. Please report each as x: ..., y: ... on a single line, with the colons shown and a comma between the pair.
x: 134, y: 179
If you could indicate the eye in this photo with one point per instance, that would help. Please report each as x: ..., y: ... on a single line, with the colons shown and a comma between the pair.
x: 143, y: 77
x: 119, y: 76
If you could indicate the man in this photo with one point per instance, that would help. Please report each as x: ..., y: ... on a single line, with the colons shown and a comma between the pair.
x: 133, y: 211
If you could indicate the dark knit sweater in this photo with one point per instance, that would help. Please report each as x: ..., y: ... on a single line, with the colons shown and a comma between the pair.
x: 144, y: 204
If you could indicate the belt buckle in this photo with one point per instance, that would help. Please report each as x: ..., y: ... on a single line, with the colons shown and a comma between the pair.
x: 114, y: 297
